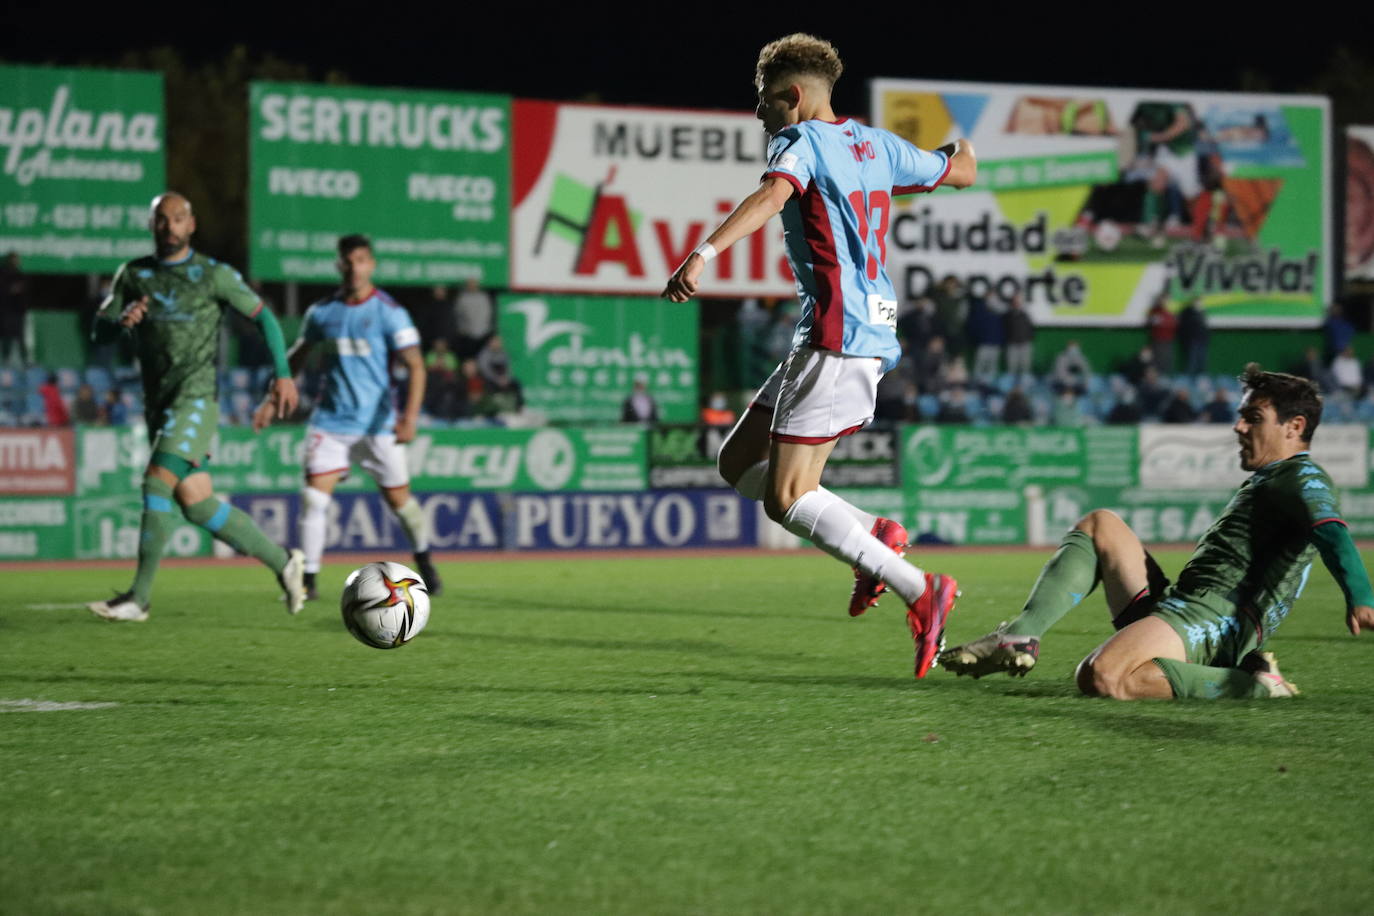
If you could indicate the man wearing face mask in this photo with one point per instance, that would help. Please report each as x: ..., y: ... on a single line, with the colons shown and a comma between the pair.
x: 1200, y: 636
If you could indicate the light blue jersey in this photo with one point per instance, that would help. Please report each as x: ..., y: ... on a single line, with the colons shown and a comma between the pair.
x: 358, y: 339
x: 835, y: 228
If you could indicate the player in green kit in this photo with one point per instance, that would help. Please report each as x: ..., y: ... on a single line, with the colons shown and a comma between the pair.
x: 172, y: 304
x: 1200, y: 637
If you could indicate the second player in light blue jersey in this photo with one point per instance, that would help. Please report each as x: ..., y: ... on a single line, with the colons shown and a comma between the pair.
x: 360, y: 330
x: 833, y: 181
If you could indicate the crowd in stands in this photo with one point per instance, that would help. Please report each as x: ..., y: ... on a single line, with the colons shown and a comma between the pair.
x: 965, y: 359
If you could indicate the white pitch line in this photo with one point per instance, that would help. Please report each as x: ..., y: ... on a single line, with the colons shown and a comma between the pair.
x: 27, y: 705
x: 54, y: 607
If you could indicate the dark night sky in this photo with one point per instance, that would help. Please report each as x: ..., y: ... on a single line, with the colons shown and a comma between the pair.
x: 644, y: 55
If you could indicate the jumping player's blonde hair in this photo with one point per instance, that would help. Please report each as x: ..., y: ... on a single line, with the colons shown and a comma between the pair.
x: 798, y: 54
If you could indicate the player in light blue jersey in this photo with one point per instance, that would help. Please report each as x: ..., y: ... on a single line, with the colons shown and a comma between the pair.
x: 359, y: 329
x: 833, y: 180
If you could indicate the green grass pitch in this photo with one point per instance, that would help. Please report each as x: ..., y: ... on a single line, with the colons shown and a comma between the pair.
x: 652, y: 735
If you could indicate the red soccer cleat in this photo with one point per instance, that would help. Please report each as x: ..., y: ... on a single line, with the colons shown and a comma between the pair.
x: 926, y: 617
x: 866, y: 588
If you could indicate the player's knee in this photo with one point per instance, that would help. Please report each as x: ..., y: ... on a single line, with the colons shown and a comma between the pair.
x: 314, y: 502
x: 1098, y: 521
x: 1097, y: 680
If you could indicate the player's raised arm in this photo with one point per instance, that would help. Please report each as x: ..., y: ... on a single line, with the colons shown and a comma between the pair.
x: 963, y: 163
x: 755, y: 210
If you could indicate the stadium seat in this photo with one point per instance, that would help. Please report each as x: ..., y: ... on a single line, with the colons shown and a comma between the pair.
x: 239, y: 379
x: 930, y: 406
x: 99, y: 378
x: 68, y: 380
x: 35, y: 376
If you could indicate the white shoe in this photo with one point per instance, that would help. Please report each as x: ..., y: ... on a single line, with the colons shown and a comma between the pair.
x: 292, y: 581
x: 120, y: 607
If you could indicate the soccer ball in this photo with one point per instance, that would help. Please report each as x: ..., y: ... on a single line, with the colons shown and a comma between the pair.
x: 1107, y: 235
x: 385, y: 605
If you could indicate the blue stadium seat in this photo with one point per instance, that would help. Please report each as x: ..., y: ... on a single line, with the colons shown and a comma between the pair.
x: 99, y: 378
x: 239, y: 379
x: 930, y: 406
x: 35, y: 376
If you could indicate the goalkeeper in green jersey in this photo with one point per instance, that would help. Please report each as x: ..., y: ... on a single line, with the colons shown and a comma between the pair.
x: 171, y: 304
x: 1200, y: 636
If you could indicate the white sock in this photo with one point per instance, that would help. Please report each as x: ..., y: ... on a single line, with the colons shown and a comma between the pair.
x: 414, y: 524
x: 751, y: 483
x: 311, y: 525
x: 825, y: 520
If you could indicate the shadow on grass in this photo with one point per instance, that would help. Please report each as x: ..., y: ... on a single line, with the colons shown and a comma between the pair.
x: 655, y: 688
x: 681, y: 646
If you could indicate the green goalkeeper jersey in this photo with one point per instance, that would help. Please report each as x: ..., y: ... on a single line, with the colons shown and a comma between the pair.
x: 178, y: 338
x: 1258, y: 554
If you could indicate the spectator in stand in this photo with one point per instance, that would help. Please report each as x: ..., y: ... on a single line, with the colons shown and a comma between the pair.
x: 1071, y: 369
x: 493, y: 359
x: 1311, y: 367
x: 54, y: 408
x: 1017, y: 408
x: 85, y: 409
x: 640, y: 406
x: 1152, y: 394
x: 1125, y: 412
x: 1346, y: 374
x: 1179, y: 407
x: 1338, y: 332
x: 985, y: 337
x: 112, y: 409
x: 1219, y: 409
x: 434, y: 319
x: 1067, y: 411
x: 14, y: 303
x: 471, y: 387
x: 441, y: 381
x: 891, y: 401
x: 502, y: 395
x: 1163, y: 328
x: 928, y: 366
x: 918, y: 324
x: 1133, y: 369
x: 956, y: 375
x: 1193, y: 336
x: 1019, y: 332
x: 953, y: 408
x: 472, y: 319
x: 951, y: 309
x: 717, y: 411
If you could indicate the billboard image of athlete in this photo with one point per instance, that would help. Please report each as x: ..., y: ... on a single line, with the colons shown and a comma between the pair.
x: 833, y: 180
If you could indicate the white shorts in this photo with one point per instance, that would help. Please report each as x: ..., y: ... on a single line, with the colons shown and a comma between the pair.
x: 379, y: 455
x: 820, y: 395
x: 1182, y: 169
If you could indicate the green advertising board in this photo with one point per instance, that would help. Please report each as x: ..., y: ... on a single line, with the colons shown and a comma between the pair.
x: 425, y: 174
x: 577, y: 357
x: 441, y: 460
x: 84, y: 154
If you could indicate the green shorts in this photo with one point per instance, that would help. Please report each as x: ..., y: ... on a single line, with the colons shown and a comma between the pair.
x: 185, y: 428
x: 1214, y: 631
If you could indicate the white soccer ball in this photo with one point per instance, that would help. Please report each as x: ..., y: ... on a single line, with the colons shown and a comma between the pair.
x: 1107, y: 235
x: 385, y: 605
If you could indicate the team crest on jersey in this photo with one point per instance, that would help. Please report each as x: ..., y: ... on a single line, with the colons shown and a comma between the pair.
x: 194, y: 273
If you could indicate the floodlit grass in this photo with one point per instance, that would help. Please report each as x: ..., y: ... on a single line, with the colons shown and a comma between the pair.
x: 655, y: 735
